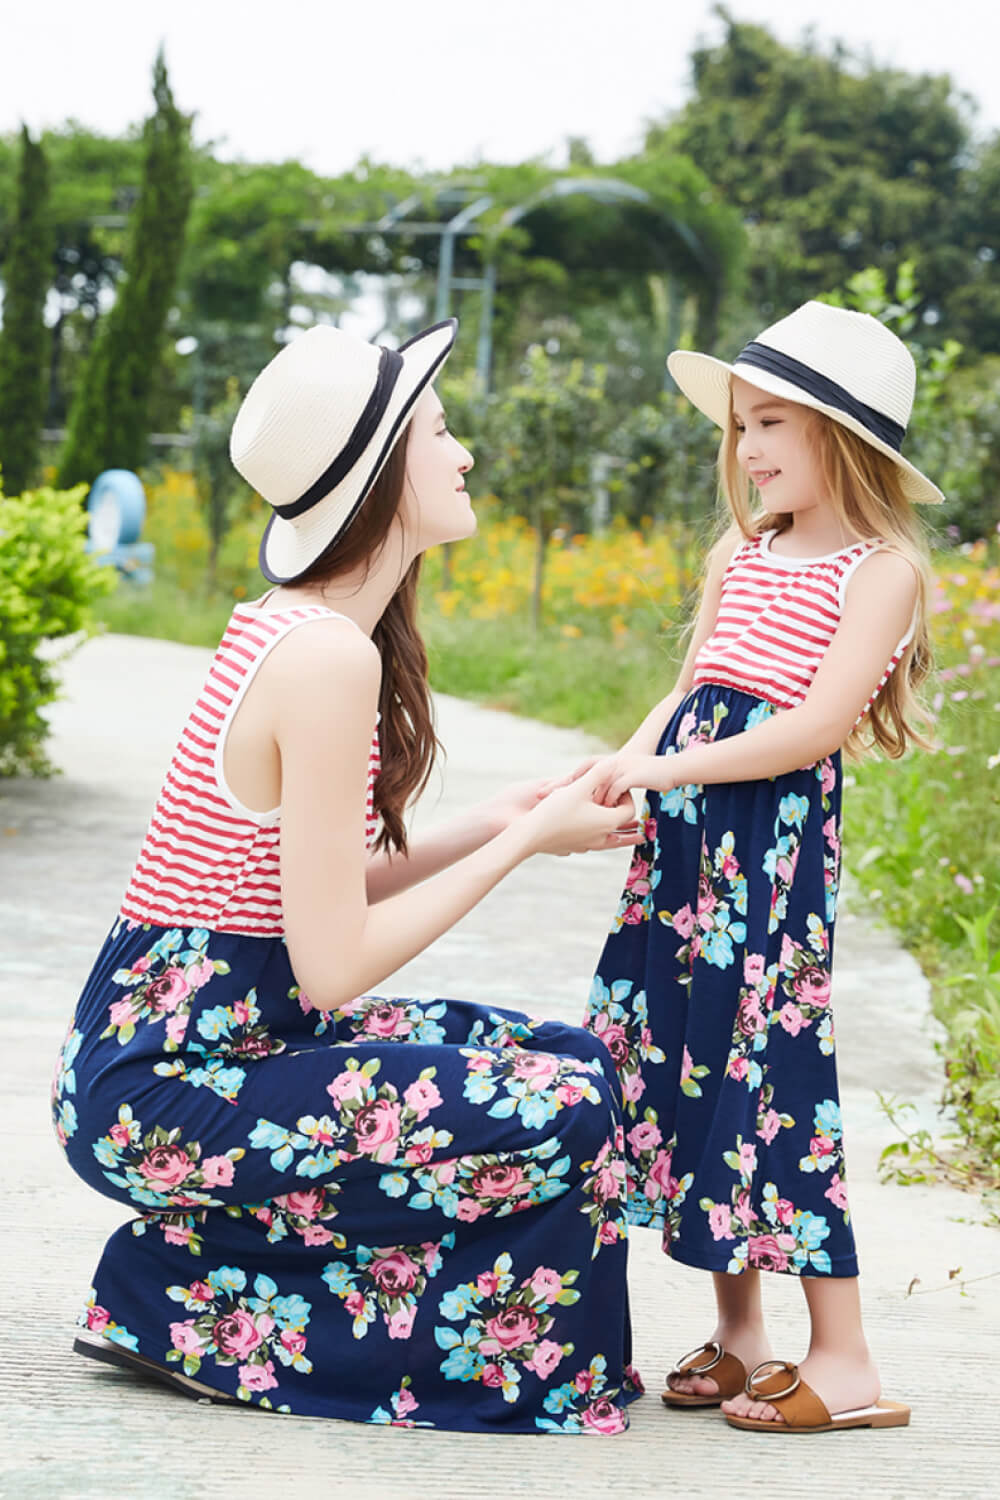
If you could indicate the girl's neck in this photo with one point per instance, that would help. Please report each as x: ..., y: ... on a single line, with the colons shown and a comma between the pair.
x: 813, y: 534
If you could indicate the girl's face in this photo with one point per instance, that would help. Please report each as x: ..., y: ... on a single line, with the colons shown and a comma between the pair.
x: 774, y: 449
x: 437, y: 507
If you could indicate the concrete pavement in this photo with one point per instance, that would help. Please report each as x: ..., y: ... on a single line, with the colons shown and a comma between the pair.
x: 72, y: 1430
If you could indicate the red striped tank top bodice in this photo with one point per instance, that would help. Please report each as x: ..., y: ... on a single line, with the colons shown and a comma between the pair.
x: 776, y: 619
x: 208, y: 861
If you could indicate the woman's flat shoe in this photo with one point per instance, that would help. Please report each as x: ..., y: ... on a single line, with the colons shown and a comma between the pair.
x: 138, y: 1364
x: 802, y: 1409
x: 728, y: 1372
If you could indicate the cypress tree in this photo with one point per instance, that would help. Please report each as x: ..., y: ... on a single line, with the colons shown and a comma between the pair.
x: 27, y: 274
x: 108, y: 420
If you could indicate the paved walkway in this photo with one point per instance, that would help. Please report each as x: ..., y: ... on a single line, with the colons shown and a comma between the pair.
x: 72, y: 1431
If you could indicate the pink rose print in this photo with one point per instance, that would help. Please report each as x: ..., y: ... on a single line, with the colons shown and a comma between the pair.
x: 633, y: 914
x: 121, y: 1012
x: 201, y: 1291
x: 177, y: 1234
x: 614, y: 1038
x: 217, y: 1171
x: 569, y: 1093
x: 683, y: 923
x: 785, y: 1211
x: 604, y: 1416
x: 738, y: 1068
x: 141, y: 965
x: 487, y: 1283
x: 200, y: 973
x: 546, y: 1283
x: 469, y: 1210
x: 387, y: 1020
x: 583, y: 1380
x: 236, y: 1334
x: 307, y: 1203
x: 400, y: 1325
x: 166, y: 993
x: 686, y: 728
x: 347, y: 1085
x: 753, y: 968
x: 637, y: 879
x: 258, y: 1377
x: 120, y: 1134
x: 764, y: 1252
x: 750, y: 1017
x: 405, y: 1403
x: 394, y: 1273
x: 514, y: 1326
x: 355, y: 1304
x: 718, y: 1222
x: 545, y: 1358
x: 315, y: 1234
x: 166, y: 1167
x: 742, y: 1210
x: 769, y: 1126
x: 748, y: 1159
x: 492, y: 1375
x: 836, y: 1192
x: 792, y: 1018
x: 644, y: 1137
x: 500, y: 1180
x: 422, y: 1096
x: 821, y: 1145
x: 659, y: 1176
x: 376, y: 1126
x: 184, y: 1337
x: 418, y: 1154
x: 98, y: 1318
x: 539, y: 1068
x: 812, y: 986
x: 176, y: 1028
x: 828, y: 777
x: 633, y: 1087
x: 788, y: 952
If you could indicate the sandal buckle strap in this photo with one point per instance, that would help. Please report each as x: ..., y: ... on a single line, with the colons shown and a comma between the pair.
x: 682, y: 1368
x: 774, y: 1367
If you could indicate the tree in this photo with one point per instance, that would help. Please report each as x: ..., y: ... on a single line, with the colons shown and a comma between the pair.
x: 27, y: 274
x: 546, y: 431
x: 835, y: 165
x: 108, y: 424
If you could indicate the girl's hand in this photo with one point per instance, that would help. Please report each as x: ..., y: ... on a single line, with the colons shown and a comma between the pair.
x: 572, y: 821
x: 581, y: 770
x: 620, y: 774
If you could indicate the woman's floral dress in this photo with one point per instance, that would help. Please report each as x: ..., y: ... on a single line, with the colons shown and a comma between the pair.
x: 410, y: 1211
x: 712, y: 994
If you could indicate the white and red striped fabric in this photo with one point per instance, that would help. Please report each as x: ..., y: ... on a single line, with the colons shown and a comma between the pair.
x: 208, y: 861
x: 776, y: 619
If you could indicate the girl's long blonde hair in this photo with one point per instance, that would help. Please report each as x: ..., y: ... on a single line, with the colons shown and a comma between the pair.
x: 865, y: 493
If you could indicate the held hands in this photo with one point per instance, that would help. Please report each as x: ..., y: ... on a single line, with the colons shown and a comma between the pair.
x: 571, y: 819
x: 617, y: 775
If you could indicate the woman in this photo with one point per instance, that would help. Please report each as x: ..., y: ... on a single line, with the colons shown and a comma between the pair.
x: 313, y: 1169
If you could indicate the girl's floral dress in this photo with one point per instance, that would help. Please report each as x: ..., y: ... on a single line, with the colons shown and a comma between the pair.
x: 407, y: 1212
x: 712, y: 994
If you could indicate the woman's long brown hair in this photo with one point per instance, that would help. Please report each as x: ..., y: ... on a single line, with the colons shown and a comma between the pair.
x: 406, y: 725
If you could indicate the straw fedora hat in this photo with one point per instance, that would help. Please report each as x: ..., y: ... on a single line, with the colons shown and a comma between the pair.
x: 316, y: 427
x: 845, y: 364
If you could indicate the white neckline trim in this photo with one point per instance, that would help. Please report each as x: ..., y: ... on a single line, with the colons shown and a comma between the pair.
x: 791, y: 562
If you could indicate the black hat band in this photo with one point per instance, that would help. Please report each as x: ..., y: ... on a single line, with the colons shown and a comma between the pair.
x: 389, y: 366
x: 828, y: 391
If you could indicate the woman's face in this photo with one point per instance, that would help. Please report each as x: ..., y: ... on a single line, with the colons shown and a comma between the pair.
x: 437, y: 507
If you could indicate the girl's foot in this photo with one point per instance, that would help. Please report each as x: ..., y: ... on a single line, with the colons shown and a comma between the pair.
x: 749, y: 1345
x: 841, y: 1383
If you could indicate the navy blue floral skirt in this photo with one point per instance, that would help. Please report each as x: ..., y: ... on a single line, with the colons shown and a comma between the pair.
x: 713, y: 998
x: 412, y: 1212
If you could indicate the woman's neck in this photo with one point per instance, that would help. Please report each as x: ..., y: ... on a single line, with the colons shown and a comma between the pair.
x: 362, y: 595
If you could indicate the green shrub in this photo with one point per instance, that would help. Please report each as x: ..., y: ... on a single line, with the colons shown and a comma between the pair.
x: 47, y: 586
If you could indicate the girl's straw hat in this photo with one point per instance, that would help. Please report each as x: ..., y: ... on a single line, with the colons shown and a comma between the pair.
x: 845, y: 364
x: 316, y: 427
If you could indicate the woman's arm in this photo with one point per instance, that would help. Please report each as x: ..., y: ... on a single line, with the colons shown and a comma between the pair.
x: 388, y: 874
x: 877, y: 612
x: 324, y: 700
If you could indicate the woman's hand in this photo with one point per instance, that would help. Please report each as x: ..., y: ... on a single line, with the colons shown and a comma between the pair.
x: 500, y: 811
x: 570, y: 820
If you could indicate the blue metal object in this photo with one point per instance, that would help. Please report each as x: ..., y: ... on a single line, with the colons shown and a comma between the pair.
x: 117, y: 509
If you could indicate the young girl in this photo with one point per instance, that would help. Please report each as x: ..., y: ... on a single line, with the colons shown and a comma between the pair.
x: 713, y: 990
x: 383, y: 1210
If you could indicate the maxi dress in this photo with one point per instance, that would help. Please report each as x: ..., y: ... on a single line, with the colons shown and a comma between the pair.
x: 712, y: 993
x: 407, y: 1211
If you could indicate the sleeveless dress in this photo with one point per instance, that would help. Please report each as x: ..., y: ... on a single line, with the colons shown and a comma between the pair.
x: 713, y: 990
x: 406, y: 1212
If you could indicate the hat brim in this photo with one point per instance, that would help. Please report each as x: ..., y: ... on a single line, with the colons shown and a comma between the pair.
x: 287, y: 550
x: 705, y: 381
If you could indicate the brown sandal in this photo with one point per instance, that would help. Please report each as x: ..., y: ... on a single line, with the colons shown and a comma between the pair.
x: 802, y: 1409
x: 728, y: 1372
x: 138, y: 1364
